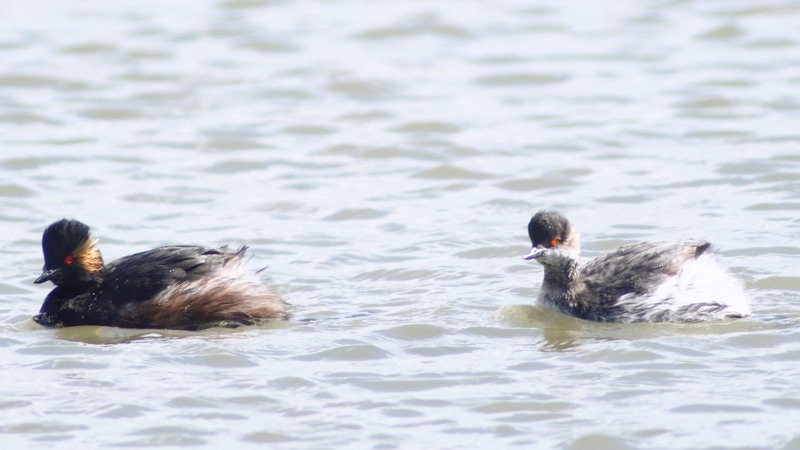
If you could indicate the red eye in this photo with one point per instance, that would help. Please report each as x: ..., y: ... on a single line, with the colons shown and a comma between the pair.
x: 68, y: 260
x: 554, y: 242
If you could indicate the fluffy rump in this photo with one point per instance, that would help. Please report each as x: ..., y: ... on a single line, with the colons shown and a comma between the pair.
x: 701, y: 290
x: 230, y: 295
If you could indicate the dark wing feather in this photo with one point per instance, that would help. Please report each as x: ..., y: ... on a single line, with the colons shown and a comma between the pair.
x: 638, y: 268
x: 141, y: 276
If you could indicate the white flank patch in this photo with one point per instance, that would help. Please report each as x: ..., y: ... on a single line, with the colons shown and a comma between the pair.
x: 700, y: 281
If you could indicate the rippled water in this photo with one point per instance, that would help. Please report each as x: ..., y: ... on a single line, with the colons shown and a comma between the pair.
x: 383, y: 159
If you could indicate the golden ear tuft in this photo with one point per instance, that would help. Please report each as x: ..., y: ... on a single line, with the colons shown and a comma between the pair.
x: 89, y: 257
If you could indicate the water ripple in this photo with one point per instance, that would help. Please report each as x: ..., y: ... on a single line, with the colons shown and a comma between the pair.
x: 383, y: 159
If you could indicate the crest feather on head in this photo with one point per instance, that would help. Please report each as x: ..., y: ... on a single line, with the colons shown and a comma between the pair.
x: 71, y: 238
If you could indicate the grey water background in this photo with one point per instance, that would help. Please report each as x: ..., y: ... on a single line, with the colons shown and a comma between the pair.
x: 383, y: 159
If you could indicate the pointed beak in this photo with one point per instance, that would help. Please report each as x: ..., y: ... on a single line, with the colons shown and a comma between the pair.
x: 534, y: 253
x: 47, y: 275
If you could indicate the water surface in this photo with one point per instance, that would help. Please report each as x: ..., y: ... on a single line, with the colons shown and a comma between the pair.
x: 383, y: 160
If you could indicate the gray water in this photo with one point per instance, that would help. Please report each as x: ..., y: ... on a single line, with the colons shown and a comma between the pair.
x: 383, y: 159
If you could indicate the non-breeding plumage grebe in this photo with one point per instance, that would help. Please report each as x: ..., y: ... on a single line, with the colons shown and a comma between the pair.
x: 177, y: 287
x: 644, y: 282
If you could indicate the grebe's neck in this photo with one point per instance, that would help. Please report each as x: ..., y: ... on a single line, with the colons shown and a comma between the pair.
x: 564, y: 273
x: 562, y: 287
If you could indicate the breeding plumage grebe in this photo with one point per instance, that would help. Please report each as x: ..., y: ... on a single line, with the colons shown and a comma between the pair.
x: 644, y: 282
x: 178, y: 287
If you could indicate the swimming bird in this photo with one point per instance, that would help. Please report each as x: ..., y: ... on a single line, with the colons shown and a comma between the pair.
x: 176, y: 287
x: 643, y: 282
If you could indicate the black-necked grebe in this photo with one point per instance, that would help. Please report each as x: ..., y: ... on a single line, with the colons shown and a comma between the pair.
x: 177, y: 287
x: 644, y: 282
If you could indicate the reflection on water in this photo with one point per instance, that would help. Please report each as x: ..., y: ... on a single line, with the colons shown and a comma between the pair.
x: 383, y: 162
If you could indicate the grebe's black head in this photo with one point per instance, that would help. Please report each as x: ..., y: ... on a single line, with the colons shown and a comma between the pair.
x: 71, y: 256
x: 551, y: 230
